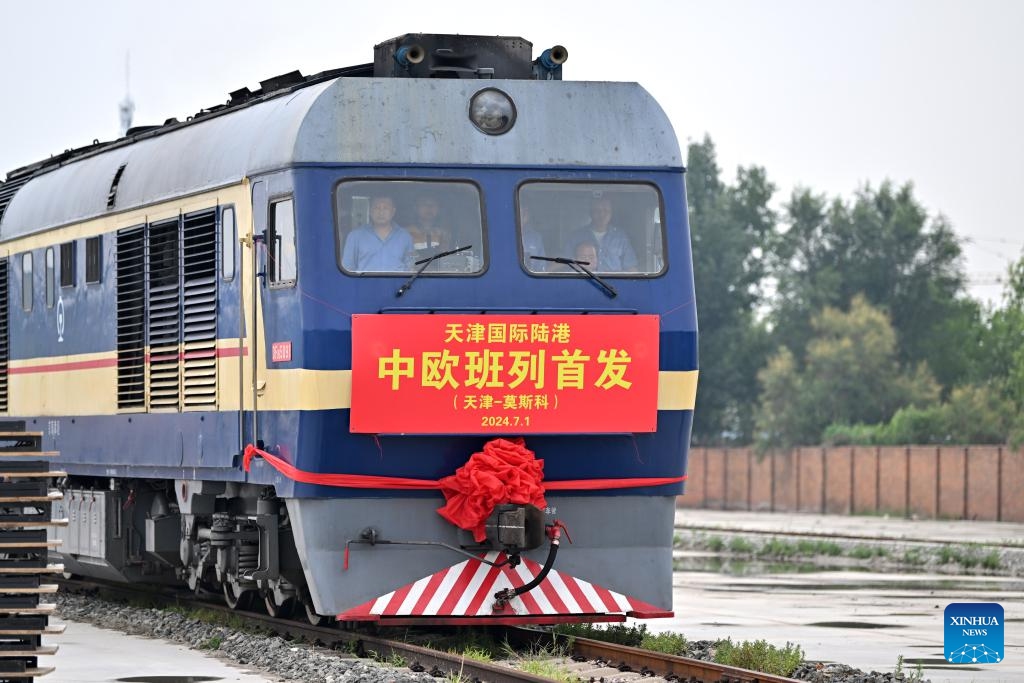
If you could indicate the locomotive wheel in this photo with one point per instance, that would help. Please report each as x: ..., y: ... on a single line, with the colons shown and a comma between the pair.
x: 279, y: 611
x: 314, y: 618
x: 241, y: 600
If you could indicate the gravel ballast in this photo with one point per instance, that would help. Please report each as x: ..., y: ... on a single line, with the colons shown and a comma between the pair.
x: 287, y: 661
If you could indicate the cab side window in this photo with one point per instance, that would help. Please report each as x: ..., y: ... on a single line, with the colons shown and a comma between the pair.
x: 26, y: 281
x: 281, y: 249
x: 227, y: 243
x: 51, y: 298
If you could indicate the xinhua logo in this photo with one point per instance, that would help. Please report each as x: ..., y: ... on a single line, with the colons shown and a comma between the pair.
x: 974, y: 633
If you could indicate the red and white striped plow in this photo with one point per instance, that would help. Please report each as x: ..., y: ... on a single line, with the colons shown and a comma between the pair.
x: 464, y: 594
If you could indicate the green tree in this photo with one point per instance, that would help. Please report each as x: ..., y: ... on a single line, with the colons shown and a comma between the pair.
x: 729, y: 226
x: 1001, y: 362
x: 850, y: 374
x: 973, y: 414
x: 783, y: 418
x: 988, y: 409
x: 883, y: 246
x: 978, y: 414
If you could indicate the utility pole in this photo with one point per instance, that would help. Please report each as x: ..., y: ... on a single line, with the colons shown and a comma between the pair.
x: 127, y: 107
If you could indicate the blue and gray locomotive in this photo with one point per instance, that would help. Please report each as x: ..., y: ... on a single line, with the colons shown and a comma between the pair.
x: 266, y: 338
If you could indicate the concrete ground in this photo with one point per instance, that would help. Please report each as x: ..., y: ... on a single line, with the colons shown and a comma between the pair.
x: 858, y: 618
x: 92, y: 655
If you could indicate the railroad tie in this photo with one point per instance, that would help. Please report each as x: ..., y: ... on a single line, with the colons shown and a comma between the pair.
x: 26, y: 498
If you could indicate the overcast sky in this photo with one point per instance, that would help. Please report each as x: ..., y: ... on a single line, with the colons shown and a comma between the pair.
x: 825, y: 94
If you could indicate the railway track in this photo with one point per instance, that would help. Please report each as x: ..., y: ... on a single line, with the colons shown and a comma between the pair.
x: 589, y: 659
x: 669, y: 667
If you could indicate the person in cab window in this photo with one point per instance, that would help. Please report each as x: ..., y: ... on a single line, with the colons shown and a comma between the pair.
x: 428, y: 236
x: 586, y: 253
x: 614, y: 251
x: 381, y: 244
x: 533, y: 242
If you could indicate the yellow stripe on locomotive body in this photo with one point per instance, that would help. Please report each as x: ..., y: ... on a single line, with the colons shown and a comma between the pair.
x: 67, y: 385
x: 677, y: 389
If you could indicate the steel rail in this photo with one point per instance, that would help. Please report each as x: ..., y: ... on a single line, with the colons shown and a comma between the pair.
x: 440, y: 664
x: 666, y: 665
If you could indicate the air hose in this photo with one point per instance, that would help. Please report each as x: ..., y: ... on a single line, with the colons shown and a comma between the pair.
x: 554, y: 531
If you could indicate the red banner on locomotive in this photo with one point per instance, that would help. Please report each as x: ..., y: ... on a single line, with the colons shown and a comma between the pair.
x: 524, y: 374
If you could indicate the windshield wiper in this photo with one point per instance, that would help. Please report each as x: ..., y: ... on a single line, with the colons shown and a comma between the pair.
x: 581, y: 268
x: 423, y: 263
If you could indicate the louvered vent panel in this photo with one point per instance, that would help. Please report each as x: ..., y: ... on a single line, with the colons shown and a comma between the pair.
x: 131, y: 318
x: 4, y: 336
x: 199, y: 326
x: 164, y: 316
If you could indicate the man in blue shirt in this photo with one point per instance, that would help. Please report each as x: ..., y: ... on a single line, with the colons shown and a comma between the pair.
x: 380, y: 245
x: 614, y: 250
x: 533, y: 242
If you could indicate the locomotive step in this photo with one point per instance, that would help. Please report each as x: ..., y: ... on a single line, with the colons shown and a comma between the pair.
x: 31, y: 544
x: 33, y: 561
x: 42, y: 608
x: 39, y: 590
x: 34, y: 672
x: 41, y: 650
x: 10, y: 520
x: 48, y: 569
x: 35, y: 475
x: 17, y: 524
x: 52, y: 630
x: 48, y: 498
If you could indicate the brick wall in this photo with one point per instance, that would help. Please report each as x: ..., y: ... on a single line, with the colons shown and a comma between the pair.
x: 948, y: 482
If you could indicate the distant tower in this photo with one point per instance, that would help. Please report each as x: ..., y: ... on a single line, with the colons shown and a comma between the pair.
x: 127, y: 107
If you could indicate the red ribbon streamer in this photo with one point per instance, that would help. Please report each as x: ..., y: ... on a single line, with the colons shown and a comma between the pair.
x: 372, y: 481
x: 351, y: 481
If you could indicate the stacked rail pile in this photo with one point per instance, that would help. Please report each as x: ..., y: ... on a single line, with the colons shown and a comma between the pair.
x: 25, y: 502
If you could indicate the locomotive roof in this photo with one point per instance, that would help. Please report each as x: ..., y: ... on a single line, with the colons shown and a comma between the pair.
x: 345, y: 120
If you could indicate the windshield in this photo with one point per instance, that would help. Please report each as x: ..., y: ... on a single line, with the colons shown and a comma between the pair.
x: 611, y: 228
x: 388, y: 226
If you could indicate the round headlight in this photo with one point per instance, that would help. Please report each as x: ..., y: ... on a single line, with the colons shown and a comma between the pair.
x: 492, y: 111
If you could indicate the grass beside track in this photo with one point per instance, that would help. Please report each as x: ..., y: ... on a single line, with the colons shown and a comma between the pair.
x: 754, y: 655
x: 968, y: 556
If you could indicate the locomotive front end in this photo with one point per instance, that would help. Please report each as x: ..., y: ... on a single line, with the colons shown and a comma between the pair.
x: 510, y: 296
x: 504, y: 375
